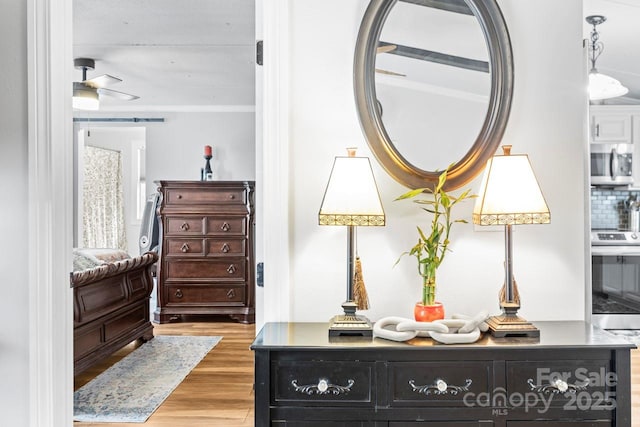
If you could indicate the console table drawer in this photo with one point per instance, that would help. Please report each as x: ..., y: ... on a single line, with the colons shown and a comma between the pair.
x: 323, y: 382
x: 564, y: 381
x: 438, y: 383
x: 594, y: 423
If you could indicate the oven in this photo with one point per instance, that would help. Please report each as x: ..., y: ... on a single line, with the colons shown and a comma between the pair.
x: 615, y: 279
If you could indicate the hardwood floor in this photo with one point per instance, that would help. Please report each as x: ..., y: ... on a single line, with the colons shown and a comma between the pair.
x: 219, y: 391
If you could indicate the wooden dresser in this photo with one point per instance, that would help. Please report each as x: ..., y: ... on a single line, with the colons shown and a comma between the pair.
x: 207, y: 250
x: 575, y: 375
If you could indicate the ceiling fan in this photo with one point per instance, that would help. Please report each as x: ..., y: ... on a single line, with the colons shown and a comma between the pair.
x: 86, y: 93
x: 385, y: 49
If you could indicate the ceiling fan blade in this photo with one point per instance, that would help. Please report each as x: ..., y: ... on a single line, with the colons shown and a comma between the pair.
x: 386, y: 48
x: 102, y: 81
x: 391, y: 73
x: 115, y: 94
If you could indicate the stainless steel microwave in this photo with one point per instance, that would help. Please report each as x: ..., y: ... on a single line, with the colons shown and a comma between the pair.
x: 611, y: 164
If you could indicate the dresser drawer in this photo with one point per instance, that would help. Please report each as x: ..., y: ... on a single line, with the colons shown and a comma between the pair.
x: 235, y: 226
x: 226, y: 247
x: 582, y: 384
x: 184, y: 225
x: 203, y: 195
x: 323, y: 383
x: 184, y: 247
x: 205, y: 294
x: 438, y: 383
x: 205, y: 269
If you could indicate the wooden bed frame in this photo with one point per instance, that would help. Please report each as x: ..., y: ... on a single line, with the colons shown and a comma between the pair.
x: 110, y: 308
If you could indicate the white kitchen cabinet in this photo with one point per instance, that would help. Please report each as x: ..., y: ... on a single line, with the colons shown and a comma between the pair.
x: 611, y: 128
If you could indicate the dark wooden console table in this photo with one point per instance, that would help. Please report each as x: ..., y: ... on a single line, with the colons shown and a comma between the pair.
x: 575, y: 375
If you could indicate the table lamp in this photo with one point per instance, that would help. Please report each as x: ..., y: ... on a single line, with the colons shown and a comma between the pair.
x: 510, y: 195
x: 351, y: 199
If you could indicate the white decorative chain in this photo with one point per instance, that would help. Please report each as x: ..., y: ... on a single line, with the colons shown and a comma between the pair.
x: 460, y: 329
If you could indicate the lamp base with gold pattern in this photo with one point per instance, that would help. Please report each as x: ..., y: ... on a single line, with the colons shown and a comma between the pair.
x: 509, y: 324
x: 349, y: 323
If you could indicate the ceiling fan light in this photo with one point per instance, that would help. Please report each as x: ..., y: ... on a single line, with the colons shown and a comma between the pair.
x: 85, y: 98
x: 602, y: 86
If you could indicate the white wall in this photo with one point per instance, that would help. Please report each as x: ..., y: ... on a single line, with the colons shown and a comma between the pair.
x: 547, y: 122
x: 175, y: 147
x: 14, y: 342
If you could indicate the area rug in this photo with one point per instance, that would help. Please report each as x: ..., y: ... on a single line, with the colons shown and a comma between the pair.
x: 133, y: 388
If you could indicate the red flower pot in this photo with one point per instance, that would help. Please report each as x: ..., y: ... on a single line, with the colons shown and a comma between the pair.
x: 428, y: 313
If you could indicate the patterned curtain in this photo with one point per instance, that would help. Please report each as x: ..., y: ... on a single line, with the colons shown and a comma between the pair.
x: 103, y: 207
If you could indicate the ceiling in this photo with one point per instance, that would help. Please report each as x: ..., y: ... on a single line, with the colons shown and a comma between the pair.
x: 199, y: 55
x: 620, y: 35
x: 176, y: 55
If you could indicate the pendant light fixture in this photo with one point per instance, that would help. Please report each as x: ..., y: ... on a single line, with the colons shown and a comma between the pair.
x: 601, y: 86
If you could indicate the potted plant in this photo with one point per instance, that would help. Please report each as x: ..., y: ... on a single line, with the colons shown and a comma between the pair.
x: 432, y: 246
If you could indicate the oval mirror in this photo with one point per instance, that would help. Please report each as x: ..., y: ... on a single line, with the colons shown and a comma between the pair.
x: 433, y: 84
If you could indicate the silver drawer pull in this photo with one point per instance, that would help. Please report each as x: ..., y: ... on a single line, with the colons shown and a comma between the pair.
x: 231, y: 269
x: 557, y: 386
x: 231, y: 294
x: 185, y: 248
x: 323, y: 387
x: 225, y: 248
x: 439, y: 387
x: 225, y: 226
x: 184, y: 226
x: 178, y: 293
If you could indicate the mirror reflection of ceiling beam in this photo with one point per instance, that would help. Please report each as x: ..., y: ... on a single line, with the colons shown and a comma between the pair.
x: 457, y: 6
x: 437, y: 57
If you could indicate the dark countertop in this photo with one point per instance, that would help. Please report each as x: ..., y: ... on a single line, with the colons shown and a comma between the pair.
x: 553, y: 334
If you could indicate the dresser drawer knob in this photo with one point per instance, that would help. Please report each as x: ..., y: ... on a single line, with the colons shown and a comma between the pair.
x: 225, y: 248
x: 558, y: 386
x: 185, y: 248
x: 561, y: 385
x: 178, y: 293
x: 231, y: 294
x: 323, y: 387
x: 225, y: 226
x: 179, y: 196
x: 184, y: 226
x: 440, y: 386
x: 232, y: 196
x: 231, y: 269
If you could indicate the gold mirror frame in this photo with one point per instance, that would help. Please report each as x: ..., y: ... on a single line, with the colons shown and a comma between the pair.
x: 501, y: 68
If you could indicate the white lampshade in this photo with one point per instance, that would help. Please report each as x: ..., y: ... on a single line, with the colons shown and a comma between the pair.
x: 602, y: 86
x: 351, y: 196
x: 509, y: 193
x: 85, y: 97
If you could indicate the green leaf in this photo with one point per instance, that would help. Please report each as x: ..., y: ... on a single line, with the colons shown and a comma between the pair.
x: 411, y: 193
x: 441, y: 180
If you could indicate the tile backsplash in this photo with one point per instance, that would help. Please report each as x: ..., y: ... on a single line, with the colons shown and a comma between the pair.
x: 608, y: 208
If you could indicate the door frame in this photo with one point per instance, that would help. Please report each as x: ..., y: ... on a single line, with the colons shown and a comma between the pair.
x: 50, y: 145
